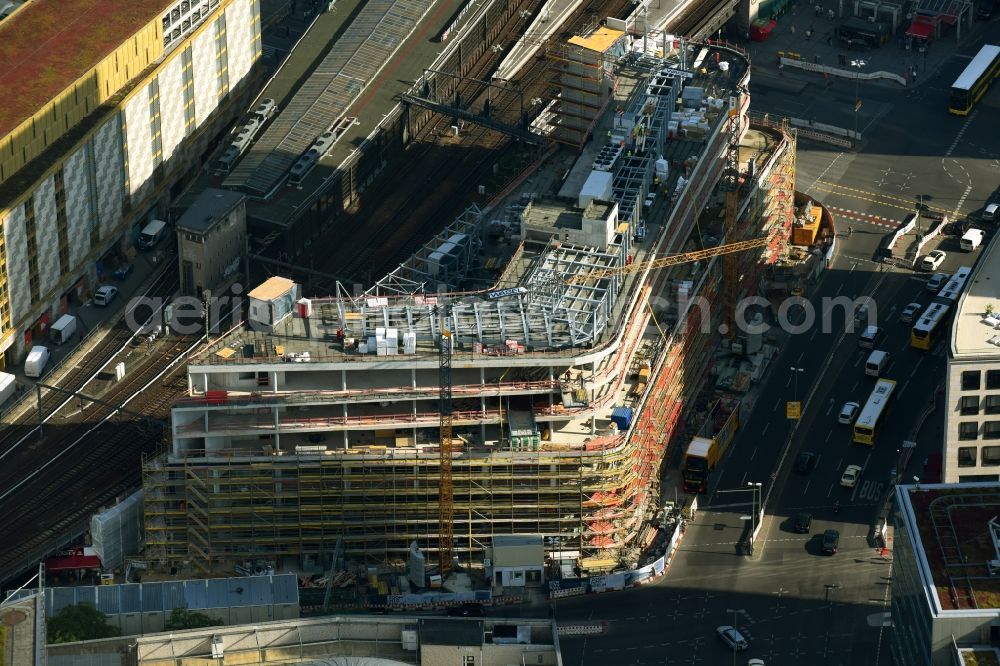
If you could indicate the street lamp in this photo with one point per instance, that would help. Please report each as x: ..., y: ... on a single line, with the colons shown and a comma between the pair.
x: 755, y: 489
x: 795, y: 392
x: 858, y: 64
x: 734, y: 611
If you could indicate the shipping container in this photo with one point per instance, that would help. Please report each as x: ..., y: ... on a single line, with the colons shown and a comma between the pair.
x: 622, y: 417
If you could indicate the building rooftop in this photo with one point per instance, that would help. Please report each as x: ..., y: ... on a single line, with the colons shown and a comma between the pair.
x: 46, y: 46
x: 272, y: 288
x: 975, y: 334
x: 956, y: 541
x: 210, y: 206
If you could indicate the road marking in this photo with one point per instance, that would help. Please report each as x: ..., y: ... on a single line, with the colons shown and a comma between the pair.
x: 766, y: 426
x: 776, y: 405
x: 830, y: 408
x: 806, y: 489
x: 958, y: 137
x: 839, y: 463
x: 799, y: 362
x: 905, y: 384
x: 789, y: 381
x: 743, y: 481
x: 857, y: 360
x: 817, y: 459
x: 829, y: 433
x: 830, y: 491
x: 815, y: 331
x: 839, y: 289
x: 864, y: 468
x: 754, y: 453
x: 855, y: 385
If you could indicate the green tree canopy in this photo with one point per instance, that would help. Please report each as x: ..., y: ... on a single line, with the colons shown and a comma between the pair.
x: 79, y: 622
x: 182, y: 618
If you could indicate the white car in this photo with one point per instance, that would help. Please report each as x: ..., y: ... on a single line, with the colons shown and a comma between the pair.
x: 937, y: 281
x: 851, y: 475
x: 105, y: 294
x: 933, y: 260
x: 909, y: 313
x: 755, y: 662
x: 848, y: 413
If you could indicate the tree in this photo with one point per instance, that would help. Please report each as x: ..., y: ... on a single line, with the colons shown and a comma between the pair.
x: 182, y: 618
x: 79, y: 622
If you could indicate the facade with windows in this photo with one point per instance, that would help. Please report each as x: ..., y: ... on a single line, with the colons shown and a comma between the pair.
x: 972, y: 388
x: 98, y: 130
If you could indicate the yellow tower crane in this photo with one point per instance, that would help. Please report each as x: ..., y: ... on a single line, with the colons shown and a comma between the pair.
x: 446, y: 488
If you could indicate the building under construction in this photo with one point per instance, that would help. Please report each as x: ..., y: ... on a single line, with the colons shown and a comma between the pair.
x: 317, y: 424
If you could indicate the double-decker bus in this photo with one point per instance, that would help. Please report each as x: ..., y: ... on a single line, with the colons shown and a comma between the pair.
x: 934, y: 320
x: 868, y: 422
x: 973, y: 83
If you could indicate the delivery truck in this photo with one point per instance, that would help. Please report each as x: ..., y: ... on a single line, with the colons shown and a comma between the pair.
x: 37, y: 359
x: 63, y: 330
x: 152, y: 234
x: 705, y: 450
x: 8, y: 385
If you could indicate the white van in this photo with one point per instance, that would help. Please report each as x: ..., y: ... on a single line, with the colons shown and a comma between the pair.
x: 34, y: 365
x: 972, y: 239
x: 990, y: 212
x: 870, y: 337
x: 876, y: 363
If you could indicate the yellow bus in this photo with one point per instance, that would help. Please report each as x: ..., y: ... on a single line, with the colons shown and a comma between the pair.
x: 973, y: 83
x: 871, y: 415
x: 924, y: 333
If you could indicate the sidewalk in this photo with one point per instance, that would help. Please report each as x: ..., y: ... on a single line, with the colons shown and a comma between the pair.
x: 790, y: 38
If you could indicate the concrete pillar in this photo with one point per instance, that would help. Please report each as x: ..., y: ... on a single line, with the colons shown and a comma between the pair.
x: 274, y: 381
x: 277, y: 430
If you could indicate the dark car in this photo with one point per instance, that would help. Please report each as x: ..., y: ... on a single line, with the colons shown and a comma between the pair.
x: 831, y: 540
x: 805, y: 462
x: 803, y: 522
x: 467, y: 610
x: 123, y: 271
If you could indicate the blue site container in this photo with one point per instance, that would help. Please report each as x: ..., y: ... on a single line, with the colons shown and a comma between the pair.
x: 622, y: 416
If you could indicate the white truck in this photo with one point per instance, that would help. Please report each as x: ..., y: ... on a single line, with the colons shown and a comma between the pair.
x: 152, y: 234
x: 63, y: 330
x: 37, y: 359
x: 8, y: 384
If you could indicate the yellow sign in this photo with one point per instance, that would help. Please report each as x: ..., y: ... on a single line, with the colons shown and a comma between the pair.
x: 793, y: 409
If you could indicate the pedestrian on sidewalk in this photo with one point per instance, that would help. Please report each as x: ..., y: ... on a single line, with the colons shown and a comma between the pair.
x: 830, y: 14
x: 819, y: 10
x: 792, y: 29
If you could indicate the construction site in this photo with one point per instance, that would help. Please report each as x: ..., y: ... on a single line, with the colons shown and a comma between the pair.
x: 430, y: 412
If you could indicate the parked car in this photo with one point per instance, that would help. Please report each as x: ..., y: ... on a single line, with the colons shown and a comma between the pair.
x: 805, y: 462
x: 732, y: 637
x: 937, y: 281
x: 933, y: 260
x: 848, y: 413
x: 123, y: 271
x: 105, y: 294
x: 831, y: 541
x: 803, y: 522
x: 910, y: 313
x: 850, y: 477
x: 756, y: 662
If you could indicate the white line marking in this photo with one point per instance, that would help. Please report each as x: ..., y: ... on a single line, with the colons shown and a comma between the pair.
x: 905, y: 384
x: 754, y: 453
x: 806, y: 489
x: 817, y: 459
x: 764, y: 431
x: 799, y: 362
x: 830, y: 409
x: 815, y: 331
x: 855, y: 386
x: 829, y: 433
x: 744, y: 479
x: 776, y: 405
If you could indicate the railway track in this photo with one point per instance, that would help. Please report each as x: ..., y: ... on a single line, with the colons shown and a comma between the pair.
x: 84, y: 370
x: 52, y: 486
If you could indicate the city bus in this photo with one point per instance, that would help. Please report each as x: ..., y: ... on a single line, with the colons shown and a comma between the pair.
x: 931, y: 323
x: 871, y: 415
x: 973, y: 83
x: 952, y: 289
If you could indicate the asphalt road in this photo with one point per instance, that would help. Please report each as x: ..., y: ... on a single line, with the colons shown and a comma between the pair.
x: 793, y: 604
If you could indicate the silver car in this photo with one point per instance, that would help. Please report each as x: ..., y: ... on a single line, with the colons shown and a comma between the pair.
x: 732, y: 637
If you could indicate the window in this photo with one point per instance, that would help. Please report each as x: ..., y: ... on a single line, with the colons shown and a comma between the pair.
x: 969, y: 405
x: 966, y: 456
x: 991, y: 456
x: 968, y: 430
x: 993, y: 379
x: 970, y: 380
x: 992, y: 404
x: 991, y: 430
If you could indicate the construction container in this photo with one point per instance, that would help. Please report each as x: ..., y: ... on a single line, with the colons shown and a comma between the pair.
x: 271, y: 302
x: 622, y: 417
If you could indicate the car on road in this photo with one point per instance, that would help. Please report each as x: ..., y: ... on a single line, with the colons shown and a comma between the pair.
x: 732, y: 637
x: 850, y: 477
x: 909, y: 313
x: 831, y: 541
x: 105, y: 294
x: 803, y: 522
x: 848, y: 413
x: 933, y: 260
x: 756, y: 662
x: 937, y: 281
x: 123, y: 272
x: 805, y: 462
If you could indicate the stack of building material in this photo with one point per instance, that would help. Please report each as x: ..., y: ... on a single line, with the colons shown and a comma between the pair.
x: 391, y: 341
x: 410, y: 343
x: 381, y: 347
